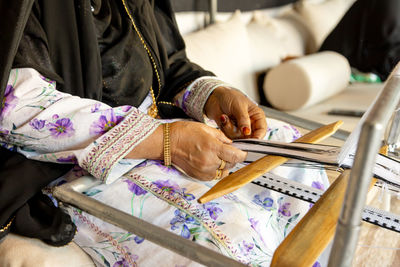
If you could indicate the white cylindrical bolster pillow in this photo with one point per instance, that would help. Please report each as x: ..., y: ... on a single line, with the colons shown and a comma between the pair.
x: 304, y: 81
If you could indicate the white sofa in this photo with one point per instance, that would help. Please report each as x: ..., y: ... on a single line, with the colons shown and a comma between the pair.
x: 235, y: 49
x: 239, y: 47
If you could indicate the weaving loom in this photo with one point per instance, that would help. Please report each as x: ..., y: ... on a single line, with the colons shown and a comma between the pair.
x: 305, y: 243
x: 295, y: 246
x: 348, y: 228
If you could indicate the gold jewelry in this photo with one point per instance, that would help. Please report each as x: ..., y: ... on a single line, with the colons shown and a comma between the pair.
x: 222, y: 165
x: 7, y: 225
x: 167, y: 103
x: 218, y: 174
x: 153, y: 110
x: 167, y: 145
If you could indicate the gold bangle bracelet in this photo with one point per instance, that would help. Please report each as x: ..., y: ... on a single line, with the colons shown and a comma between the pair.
x: 167, y: 145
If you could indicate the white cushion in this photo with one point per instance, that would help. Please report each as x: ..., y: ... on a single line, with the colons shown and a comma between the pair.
x: 304, y: 81
x: 223, y: 48
x: 273, y: 39
x: 321, y: 17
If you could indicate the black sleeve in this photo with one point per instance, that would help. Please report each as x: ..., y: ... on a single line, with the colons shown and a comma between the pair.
x: 180, y: 69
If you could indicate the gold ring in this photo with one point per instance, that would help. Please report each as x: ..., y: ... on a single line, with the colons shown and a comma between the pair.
x: 218, y: 175
x: 222, y: 165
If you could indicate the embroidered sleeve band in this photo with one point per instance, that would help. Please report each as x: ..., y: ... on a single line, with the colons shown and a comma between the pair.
x: 101, y: 156
x: 193, y: 99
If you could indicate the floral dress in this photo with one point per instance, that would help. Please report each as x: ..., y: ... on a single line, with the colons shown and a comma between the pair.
x: 246, y: 225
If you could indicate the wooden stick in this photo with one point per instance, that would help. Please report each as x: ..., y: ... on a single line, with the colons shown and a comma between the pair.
x: 313, y: 233
x: 252, y: 171
x: 316, y: 229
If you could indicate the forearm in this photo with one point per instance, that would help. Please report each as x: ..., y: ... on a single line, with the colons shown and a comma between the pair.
x: 149, y: 148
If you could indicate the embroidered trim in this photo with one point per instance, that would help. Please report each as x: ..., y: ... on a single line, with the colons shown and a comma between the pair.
x: 191, y: 210
x: 107, y: 236
x: 195, y: 97
x: 101, y: 156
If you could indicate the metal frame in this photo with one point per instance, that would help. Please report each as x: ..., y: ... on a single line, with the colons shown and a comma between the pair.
x: 213, y: 9
x: 369, y: 142
x: 394, y: 131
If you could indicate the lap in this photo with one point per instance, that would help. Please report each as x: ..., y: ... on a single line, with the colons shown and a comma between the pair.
x: 246, y: 225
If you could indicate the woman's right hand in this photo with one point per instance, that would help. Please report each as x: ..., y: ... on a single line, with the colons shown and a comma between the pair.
x: 199, y: 149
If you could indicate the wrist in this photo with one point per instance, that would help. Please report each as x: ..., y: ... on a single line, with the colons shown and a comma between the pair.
x: 150, y: 148
x: 212, y: 101
x: 193, y: 100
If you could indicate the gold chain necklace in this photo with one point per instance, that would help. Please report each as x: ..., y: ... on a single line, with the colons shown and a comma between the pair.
x: 153, y: 110
x: 5, y: 228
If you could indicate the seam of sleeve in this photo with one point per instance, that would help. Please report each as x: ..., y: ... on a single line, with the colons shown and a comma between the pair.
x: 196, y: 95
x: 103, y: 154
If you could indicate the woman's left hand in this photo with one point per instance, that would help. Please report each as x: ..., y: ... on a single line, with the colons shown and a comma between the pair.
x: 235, y: 114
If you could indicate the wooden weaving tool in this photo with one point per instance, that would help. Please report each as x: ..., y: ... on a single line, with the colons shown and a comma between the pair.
x: 250, y: 172
x: 316, y: 229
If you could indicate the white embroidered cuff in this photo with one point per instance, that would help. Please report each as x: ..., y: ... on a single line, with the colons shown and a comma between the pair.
x: 100, y: 157
x: 195, y: 96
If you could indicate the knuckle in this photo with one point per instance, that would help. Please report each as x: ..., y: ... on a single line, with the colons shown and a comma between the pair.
x: 202, y: 168
x: 234, y: 158
x: 230, y: 165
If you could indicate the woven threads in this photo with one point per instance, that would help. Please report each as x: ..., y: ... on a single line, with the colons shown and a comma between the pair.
x: 167, y: 145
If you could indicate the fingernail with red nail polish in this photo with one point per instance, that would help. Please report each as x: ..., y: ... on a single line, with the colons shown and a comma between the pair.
x: 246, y: 131
x: 223, y: 119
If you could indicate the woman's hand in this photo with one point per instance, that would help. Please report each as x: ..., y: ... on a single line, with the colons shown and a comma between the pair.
x: 196, y: 148
x: 235, y: 114
x: 199, y: 150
